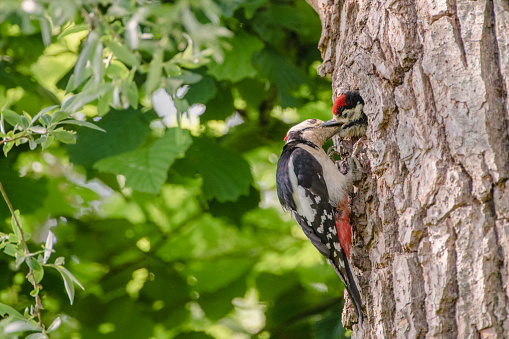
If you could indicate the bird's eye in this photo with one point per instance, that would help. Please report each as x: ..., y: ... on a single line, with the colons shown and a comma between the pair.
x: 345, y: 114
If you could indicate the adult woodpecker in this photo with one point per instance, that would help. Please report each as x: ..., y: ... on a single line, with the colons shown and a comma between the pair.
x: 310, y: 185
x: 348, y: 111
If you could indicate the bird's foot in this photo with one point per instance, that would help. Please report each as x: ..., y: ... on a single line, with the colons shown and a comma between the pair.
x: 357, y: 146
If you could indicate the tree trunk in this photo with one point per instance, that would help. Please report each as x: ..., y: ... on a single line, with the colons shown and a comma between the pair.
x: 431, y: 220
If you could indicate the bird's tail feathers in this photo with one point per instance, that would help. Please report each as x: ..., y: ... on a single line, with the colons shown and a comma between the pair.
x: 351, y: 284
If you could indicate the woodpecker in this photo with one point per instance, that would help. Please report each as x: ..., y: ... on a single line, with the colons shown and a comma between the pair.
x: 312, y: 188
x: 348, y: 110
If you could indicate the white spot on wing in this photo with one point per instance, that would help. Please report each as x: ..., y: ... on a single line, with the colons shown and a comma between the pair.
x: 337, y: 246
x: 320, y: 229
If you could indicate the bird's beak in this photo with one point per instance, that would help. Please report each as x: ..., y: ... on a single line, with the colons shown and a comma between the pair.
x: 333, y: 126
x: 332, y: 123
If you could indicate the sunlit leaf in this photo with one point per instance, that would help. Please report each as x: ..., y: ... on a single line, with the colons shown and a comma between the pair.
x: 37, y: 336
x: 79, y: 100
x: 48, y: 246
x: 81, y: 123
x: 73, y: 29
x: 123, y: 53
x: 89, y: 47
x: 21, y: 326
x: 54, y: 325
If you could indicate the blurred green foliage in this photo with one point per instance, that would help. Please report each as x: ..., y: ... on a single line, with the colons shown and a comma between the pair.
x: 148, y: 148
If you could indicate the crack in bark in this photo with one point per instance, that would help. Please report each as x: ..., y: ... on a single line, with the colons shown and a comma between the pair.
x: 452, y: 8
x: 496, y: 93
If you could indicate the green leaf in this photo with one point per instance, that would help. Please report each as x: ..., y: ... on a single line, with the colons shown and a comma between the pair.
x: 46, y: 120
x: 48, y: 246
x: 237, y: 65
x: 14, y: 225
x: 36, y: 268
x: 37, y: 336
x: 59, y: 116
x: 37, y: 130
x: 67, y: 137
x: 47, y: 109
x: 11, y: 312
x: 21, y: 326
x: 11, y: 249
x: 54, y: 325
x: 226, y: 175
x: 11, y: 117
x: 104, y: 103
x: 98, y: 65
x: 221, y: 106
x: 123, y: 54
x: 126, y: 131
x: 86, y: 55
x: 7, y: 147
x: 146, y: 169
x: 201, y: 92
x: 79, y: 100
x: 69, y: 281
x: 46, y: 141
x: 130, y: 90
x: 81, y: 123
x: 45, y: 30
x: 205, y: 272
x: 287, y: 77
x: 218, y: 304
x: 73, y: 29
x: 155, y: 70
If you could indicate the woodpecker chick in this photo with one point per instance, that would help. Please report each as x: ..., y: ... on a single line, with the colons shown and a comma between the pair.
x: 349, y: 114
x: 316, y: 193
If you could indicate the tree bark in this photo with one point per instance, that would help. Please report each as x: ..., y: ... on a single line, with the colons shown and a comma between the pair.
x: 431, y: 220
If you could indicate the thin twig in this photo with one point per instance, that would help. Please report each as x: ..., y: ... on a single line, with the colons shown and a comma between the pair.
x: 23, y: 135
x: 38, y: 302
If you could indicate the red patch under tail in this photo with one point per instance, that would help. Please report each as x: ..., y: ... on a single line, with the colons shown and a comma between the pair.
x: 343, y: 226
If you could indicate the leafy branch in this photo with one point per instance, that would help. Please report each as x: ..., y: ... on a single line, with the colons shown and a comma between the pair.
x: 43, y: 133
x: 11, y: 245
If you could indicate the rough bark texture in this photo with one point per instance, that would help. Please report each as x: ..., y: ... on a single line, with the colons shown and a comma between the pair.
x: 432, y: 216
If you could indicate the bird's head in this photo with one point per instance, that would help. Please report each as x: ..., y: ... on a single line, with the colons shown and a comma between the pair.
x: 349, y: 115
x: 313, y: 130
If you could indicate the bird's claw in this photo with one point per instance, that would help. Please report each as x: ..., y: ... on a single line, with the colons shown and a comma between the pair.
x: 357, y: 146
